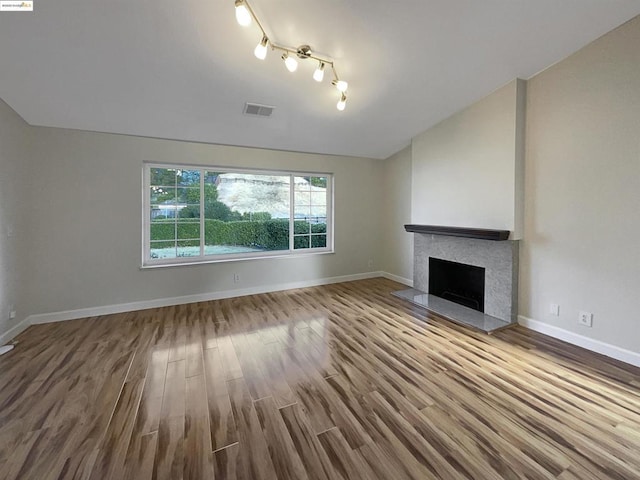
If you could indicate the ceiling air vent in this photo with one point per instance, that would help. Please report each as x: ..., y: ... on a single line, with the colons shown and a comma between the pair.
x: 258, y: 110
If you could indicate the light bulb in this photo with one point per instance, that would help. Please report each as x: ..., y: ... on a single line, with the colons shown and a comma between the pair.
x: 290, y: 62
x: 342, y: 102
x: 261, y: 49
x: 243, y: 16
x: 341, y: 85
x: 318, y: 75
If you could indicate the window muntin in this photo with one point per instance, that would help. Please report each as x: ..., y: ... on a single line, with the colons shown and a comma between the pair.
x: 208, y: 214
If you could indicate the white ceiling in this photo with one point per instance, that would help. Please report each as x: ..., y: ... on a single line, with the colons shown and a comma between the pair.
x: 184, y: 70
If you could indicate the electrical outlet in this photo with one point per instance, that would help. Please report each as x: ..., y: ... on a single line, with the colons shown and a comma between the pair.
x: 236, y: 278
x: 554, y: 309
x: 12, y: 312
x: 585, y: 318
x: 370, y: 263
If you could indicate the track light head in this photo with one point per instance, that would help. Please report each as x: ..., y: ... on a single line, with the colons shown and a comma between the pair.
x: 290, y: 62
x: 261, y: 49
x: 243, y: 16
x: 341, y: 85
x: 318, y: 75
x: 342, y: 103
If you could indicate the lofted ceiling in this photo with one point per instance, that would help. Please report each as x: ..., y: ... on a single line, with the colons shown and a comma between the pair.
x: 184, y: 70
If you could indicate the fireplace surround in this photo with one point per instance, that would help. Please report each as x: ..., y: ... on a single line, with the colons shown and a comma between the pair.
x: 487, y: 249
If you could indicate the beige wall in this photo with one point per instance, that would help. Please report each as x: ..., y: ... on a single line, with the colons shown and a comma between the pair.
x: 87, y: 221
x: 582, y: 233
x: 465, y: 169
x: 397, y: 247
x: 14, y: 198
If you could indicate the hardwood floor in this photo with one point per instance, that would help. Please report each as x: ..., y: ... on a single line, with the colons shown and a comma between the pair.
x: 335, y: 382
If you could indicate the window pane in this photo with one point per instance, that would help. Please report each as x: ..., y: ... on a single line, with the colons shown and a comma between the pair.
x: 319, y: 198
x: 316, y: 219
x: 301, y: 241
x: 302, y: 211
x: 188, y: 230
x: 163, y: 230
x: 160, y: 195
x: 302, y: 184
x: 163, y: 244
x: 246, y: 212
x: 188, y: 195
x: 162, y: 212
x: 189, y: 178
x: 318, y: 241
x: 186, y: 212
x: 302, y: 199
x: 301, y: 226
x: 188, y: 248
x: 160, y: 250
x: 320, y: 182
x: 318, y: 228
x: 163, y: 176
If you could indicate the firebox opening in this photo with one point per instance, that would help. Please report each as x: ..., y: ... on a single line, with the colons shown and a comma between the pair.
x: 457, y: 282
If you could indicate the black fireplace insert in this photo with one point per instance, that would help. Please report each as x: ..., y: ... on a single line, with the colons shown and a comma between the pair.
x: 457, y: 282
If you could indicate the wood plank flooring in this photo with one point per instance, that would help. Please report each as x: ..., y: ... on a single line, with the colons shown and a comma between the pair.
x: 338, y: 382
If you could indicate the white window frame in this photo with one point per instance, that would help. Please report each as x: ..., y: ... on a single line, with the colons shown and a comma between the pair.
x: 148, y: 262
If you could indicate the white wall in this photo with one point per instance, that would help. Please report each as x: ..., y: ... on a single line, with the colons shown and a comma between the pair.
x: 466, y: 170
x: 397, y: 246
x: 582, y: 232
x: 14, y: 196
x: 87, y: 221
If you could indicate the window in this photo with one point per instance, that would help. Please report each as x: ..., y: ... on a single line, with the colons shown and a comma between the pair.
x: 208, y: 214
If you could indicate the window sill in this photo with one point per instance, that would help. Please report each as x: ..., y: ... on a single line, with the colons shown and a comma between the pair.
x: 152, y: 266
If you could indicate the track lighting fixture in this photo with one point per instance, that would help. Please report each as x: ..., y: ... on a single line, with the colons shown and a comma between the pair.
x: 289, y: 62
x: 318, y: 75
x: 341, y: 85
x: 245, y: 15
x: 261, y: 49
x: 342, y: 103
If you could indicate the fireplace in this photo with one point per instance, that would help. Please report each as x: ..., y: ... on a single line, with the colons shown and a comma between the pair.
x: 457, y: 282
x: 467, y: 275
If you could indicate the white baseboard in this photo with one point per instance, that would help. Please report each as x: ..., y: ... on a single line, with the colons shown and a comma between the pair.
x: 627, y: 356
x: 15, y: 331
x: 396, y: 278
x: 200, y: 297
